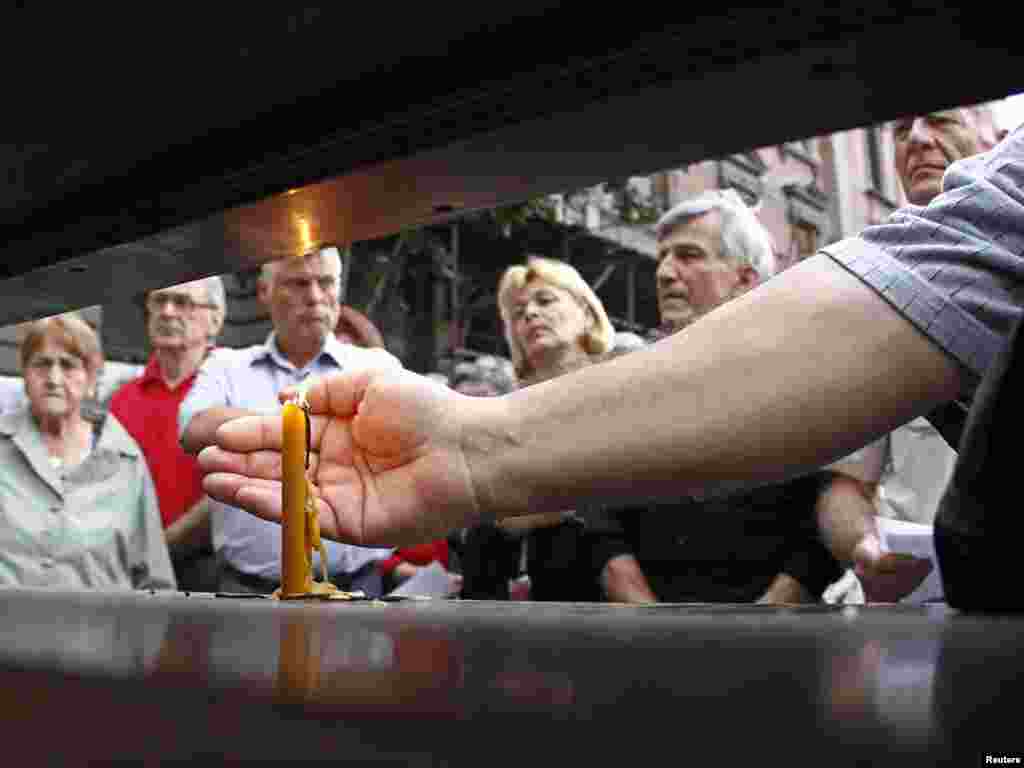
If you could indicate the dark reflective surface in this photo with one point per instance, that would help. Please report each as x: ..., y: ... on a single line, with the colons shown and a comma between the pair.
x: 89, y: 676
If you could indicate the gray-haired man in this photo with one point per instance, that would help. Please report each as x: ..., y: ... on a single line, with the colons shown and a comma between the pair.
x: 711, y: 249
x: 762, y: 545
x: 182, y: 323
x: 302, y: 296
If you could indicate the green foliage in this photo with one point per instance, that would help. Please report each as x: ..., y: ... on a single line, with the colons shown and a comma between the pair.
x: 630, y: 205
x: 509, y: 217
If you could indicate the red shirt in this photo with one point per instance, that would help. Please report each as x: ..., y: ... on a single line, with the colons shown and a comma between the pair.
x: 422, y: 554
x: 149, y: 411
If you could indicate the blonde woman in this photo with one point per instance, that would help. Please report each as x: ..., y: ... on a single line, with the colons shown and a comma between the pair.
x: 554, y: 324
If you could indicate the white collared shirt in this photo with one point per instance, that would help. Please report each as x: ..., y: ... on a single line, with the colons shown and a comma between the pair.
x: 251, y: 378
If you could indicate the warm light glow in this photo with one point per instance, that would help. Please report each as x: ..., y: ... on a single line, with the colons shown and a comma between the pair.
x: 304, y: 235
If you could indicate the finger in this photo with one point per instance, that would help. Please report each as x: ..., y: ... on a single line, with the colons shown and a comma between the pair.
x: 261, y: 433
x: 261, y: 497
x: 339, y: 394
x: 264, y: 465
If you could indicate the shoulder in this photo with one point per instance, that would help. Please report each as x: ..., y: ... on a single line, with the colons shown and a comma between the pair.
x: 126, y: 397
x: 12, y: 422
x: 228, y: 356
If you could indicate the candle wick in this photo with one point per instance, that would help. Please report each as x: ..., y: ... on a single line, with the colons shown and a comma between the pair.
x: 309, y: 431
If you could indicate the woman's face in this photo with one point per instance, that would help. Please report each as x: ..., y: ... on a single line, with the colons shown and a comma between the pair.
x: 546, y: 318
x: 56, y: 381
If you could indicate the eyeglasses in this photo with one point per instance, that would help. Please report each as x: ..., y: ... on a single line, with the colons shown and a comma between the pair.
x: 181, y: 301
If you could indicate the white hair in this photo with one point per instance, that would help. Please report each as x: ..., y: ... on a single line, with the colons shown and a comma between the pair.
x: 984, y: 118
x: 269, y: 268
x: 215, y: 292
x: 745, y: 241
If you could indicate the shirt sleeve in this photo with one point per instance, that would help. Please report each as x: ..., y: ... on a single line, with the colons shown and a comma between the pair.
x: 954, y: 268
x: 211, y: 388
x: 153, y: 569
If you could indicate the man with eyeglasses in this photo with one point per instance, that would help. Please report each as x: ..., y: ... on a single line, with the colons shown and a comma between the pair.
x: 302, y: 296
x: 182, y: 324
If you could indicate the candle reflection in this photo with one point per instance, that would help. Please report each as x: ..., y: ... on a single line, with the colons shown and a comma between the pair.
x: 298, y: 663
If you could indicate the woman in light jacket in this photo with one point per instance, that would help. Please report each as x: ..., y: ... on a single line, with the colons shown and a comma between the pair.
x: 77, y: 505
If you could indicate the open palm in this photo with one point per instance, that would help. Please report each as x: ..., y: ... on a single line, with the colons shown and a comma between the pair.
x: 386, y: 460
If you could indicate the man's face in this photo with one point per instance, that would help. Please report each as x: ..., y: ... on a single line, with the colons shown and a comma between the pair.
x: 303, y: 298
x: 926, y: 146
x: 692, y: 276
x: 181, y: 316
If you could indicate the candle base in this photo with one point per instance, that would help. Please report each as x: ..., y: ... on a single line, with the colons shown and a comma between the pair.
x: 320, y: 591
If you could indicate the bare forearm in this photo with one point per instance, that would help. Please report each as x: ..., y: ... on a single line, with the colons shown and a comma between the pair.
x: 624, y: 582
x: 807, y: 368
x: 201, y: 429
x: 846, y: 514
x: 190, y: 532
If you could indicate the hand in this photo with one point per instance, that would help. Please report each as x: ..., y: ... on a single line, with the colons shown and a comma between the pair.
x: 405, y: 571
x: 388, y: 464
x: 891, y: 576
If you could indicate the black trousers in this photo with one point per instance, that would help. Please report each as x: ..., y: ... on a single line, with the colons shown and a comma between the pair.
x: 978, y: 526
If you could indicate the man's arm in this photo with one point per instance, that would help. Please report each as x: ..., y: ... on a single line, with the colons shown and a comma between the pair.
x: 846, y: 517
x: 191, y: 532
x: 806, y: 368
x: 152, y: 567
x: 208, y: 403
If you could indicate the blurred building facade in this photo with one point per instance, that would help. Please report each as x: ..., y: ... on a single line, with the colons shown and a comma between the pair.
x: 431, y: 292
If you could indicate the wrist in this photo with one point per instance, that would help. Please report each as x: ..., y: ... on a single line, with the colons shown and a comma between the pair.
x: 489, y: 441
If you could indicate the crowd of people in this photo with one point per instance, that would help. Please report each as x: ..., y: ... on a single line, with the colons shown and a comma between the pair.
x: 743, y: 455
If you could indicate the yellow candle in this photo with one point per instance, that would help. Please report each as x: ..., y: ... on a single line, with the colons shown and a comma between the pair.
x: 296, y: 577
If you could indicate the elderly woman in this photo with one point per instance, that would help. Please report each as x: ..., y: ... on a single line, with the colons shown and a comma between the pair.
x: 77, y: 506
x: 554, y: 324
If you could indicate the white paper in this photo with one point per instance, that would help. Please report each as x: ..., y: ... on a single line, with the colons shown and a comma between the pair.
x: 914, y: 539
x: 430, y: 581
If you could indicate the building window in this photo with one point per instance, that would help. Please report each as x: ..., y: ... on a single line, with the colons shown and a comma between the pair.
x: 805, y: 150
x: 742, y: 173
